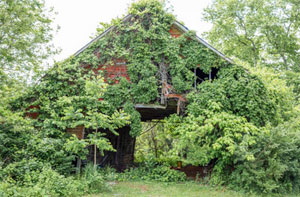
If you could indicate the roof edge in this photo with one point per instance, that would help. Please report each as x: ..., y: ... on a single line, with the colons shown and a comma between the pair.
x: 100, y: 36
x: 185, y: 29
x: 178, y: 24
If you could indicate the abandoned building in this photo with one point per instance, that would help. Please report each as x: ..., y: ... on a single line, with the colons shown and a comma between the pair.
x: 169, y: 101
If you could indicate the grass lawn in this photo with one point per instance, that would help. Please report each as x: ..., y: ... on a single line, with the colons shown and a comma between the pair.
x: 188, y: 189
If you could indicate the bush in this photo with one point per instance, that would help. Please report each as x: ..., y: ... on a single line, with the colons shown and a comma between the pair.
x: 109, y: 174
x: 93, y: 180
x: 46, y: 183
x: 19, y: 171
x: 153, y: 171
x: 245, y: 157
x: 22, y: 145
x: 51, y: 150
x: 276, y: 163
x: 51, y: 183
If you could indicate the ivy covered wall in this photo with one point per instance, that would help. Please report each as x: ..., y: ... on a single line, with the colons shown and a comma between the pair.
x: 152, y: 57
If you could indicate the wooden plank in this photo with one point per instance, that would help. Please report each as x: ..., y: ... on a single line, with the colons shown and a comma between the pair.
x: 149, y: 106
x: 179, y: 96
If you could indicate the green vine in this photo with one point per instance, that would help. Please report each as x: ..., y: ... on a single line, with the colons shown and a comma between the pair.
x: 144, y: 42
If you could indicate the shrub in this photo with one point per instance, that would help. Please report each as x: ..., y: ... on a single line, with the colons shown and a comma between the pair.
x: 153, y: 171
x: 45, y: 183
x: 276, y: 163
x: 51, y: 183
x: 19, y: 171
x: 93, y: 180
x: 109, y: 174
x: 51, y: 150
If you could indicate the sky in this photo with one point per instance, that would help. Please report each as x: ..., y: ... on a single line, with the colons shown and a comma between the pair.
x: 78, y: 19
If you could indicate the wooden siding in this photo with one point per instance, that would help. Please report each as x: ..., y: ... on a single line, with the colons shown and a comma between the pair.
x: 78, y: 131
x: 175, y: 32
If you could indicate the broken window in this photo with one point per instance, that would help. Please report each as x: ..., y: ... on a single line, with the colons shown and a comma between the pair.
x: 202, y: 76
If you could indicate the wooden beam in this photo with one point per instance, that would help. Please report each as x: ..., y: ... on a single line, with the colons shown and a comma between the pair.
x: 149, y: 106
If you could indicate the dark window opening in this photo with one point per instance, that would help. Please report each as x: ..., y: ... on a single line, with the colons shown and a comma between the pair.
x: 202, y: 76
x: 213, y: 73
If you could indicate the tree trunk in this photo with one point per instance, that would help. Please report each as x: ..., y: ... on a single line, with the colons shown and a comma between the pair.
x: 95, y: 152
x: 78, y: 165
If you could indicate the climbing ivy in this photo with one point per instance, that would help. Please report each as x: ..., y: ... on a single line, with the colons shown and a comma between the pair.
x: 239, y: 93
x: 143, y: 41
x: 227, y: 117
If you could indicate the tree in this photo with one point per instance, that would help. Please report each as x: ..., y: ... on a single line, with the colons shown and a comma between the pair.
x: 96, y: 119
x: 257, y: 32
x: 25, y: 35
x: 83, y: 107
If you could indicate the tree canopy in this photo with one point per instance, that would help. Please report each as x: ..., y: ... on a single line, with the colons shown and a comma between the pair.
x: 257, y: 32
x: 25, y: 35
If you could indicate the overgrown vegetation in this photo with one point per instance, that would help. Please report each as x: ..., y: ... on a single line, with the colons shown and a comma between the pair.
x: 151, y: 170
x: 244, y: 122
x: 48, y: 182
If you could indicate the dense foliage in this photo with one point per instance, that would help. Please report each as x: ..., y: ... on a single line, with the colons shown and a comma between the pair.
x: 48, y: 182
x: 276, y: 164
x: 151, y: 170
x: 243, y: 123
x: 264, y: 35
x: 26, y: 32
x: 258, y: 33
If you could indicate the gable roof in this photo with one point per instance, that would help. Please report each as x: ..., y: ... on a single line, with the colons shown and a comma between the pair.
x: 183, y: 28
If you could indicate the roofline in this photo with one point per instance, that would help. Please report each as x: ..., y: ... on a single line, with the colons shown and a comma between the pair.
x: 185, y: 29
x: 100, y: 36
x: 94, y: 40
x: 178, y: 24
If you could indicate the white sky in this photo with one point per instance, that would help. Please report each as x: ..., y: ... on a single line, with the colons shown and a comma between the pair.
x: 78, y: 19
